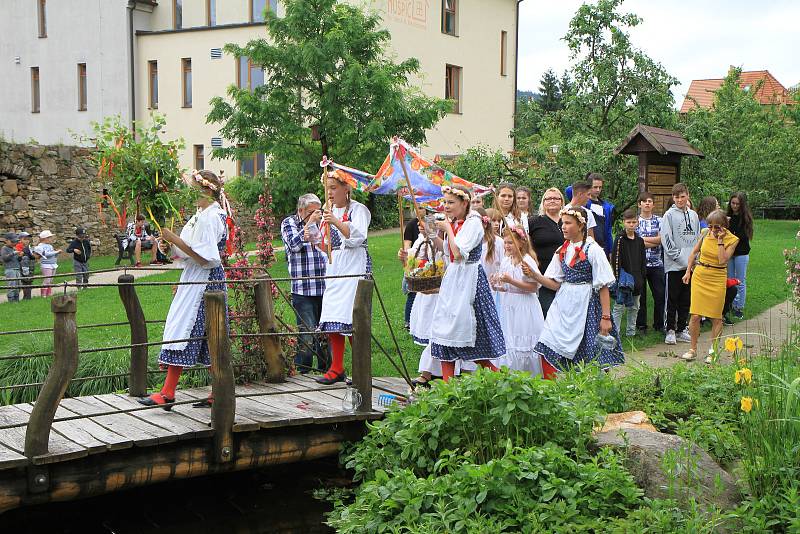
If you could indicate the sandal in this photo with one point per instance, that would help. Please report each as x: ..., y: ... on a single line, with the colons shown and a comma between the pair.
x: 689, y: 355
x: 153, y: 400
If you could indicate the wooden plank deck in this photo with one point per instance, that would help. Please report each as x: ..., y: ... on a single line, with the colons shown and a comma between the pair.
x: 98, y: 424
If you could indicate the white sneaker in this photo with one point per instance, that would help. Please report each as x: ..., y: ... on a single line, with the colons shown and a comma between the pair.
x: 670, y: 339
x: 684, y: 336
x: 709, y: 360
x: 689, y: 355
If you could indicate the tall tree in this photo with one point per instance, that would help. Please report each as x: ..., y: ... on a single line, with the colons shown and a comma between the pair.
x: 324, y: 66
x: 748, y: 146
x: 549, y: 92
x: 611, y: 86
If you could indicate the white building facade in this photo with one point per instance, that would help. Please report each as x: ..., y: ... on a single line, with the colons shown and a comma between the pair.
x: 129, y: 57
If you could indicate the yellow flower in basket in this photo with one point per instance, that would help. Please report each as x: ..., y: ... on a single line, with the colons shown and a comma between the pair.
x: 743, y: 376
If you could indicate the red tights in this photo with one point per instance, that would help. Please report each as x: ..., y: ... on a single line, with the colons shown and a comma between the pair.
x: 449, y: 368
x: 548, y: 371
x: 336, y: 342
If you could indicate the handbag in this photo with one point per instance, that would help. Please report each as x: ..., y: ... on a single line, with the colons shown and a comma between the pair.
x: 622, y: 288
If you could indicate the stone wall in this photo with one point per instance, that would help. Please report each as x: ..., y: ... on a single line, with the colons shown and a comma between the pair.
x: 53, y: 188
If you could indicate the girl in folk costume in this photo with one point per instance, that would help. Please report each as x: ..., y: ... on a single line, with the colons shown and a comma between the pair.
x: 520, y: 312
x: 581, y: 311
x: 505, y: 201
x: 465, y: 323
x: 491, y: 259
x: 348, y: 222
x: 496, y: 220
x: 422, y: 310
x: 200, y: 247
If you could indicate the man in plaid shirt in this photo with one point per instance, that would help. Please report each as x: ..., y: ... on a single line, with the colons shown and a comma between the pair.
x: 305, y: 260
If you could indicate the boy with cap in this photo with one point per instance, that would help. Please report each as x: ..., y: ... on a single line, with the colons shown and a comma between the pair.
x: 10, y: 258
x: 48, y: 258
x: 27, y: 264
x: 81, y: 249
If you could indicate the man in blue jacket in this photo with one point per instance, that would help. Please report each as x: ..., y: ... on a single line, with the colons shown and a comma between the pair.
x: 602, y: 210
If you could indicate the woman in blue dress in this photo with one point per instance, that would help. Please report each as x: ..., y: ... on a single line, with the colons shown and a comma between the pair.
x: 465, y: 323
x: 200, y: 247
x: 581, y: 310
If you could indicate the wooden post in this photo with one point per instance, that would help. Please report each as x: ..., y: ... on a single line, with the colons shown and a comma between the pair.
x: 270, y: 345
x: 402, y: 221
x: 223, y: 409
x: 65, y: 363
x: 362, y: 343
x: 137, y: 383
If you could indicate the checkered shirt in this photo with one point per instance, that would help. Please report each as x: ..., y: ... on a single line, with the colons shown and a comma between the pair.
x: 304, y: 259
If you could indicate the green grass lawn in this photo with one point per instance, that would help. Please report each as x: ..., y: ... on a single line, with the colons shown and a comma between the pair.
x: 766, y: 287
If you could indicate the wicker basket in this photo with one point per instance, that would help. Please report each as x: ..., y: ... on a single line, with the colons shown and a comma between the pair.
x: 426, y: 284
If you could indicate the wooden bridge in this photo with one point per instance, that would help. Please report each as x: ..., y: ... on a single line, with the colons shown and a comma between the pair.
x: 59, y: 449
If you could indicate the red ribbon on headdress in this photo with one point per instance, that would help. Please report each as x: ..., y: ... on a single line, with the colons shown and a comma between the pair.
x: 579, y: 254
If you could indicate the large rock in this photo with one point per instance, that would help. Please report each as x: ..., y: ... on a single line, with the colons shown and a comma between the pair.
x: 10, y: 186
x: 668, y: 466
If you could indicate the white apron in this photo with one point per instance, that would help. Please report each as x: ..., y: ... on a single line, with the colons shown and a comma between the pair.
x: 202, y: 233
x: 350, y: 257
x: 454, y: 322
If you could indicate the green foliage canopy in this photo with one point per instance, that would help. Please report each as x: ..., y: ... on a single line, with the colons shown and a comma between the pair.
x: 325, y: 66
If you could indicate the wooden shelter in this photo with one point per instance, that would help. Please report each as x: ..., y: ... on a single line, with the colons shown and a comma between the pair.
x: 660, y: 152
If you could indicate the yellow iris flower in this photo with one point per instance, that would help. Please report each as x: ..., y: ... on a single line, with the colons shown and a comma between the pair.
x: 747, y: 404
x: 733, y: 343
x: 743, y: 376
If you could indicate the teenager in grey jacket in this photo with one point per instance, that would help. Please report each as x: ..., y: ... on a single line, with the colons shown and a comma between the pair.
x: 680, y: 230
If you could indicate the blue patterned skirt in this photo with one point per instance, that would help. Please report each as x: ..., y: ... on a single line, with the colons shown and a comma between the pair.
x: 489, y: 342
x: 587, y: 352
x: 196, y: 352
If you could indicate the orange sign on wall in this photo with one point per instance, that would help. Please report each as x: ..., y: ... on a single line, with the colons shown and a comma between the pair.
x: 411, y: 12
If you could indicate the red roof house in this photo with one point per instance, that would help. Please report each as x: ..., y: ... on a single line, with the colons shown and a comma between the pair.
x: 768, y: 90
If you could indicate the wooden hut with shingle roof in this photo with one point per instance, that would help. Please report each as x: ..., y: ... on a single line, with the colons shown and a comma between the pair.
x: 659, y: 152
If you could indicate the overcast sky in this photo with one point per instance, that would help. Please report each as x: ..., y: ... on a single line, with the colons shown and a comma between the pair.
x: 692, y: 39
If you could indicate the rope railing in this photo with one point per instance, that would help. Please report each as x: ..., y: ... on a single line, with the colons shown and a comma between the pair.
x: 80, y: 326
x: 114, y: 375
x: 250, y: 281
x: 102, y: 349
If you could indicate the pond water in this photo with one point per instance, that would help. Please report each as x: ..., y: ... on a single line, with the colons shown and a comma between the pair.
x: 274, y: 500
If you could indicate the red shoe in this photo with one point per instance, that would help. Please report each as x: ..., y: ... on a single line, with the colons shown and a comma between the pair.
x: 138, y: 264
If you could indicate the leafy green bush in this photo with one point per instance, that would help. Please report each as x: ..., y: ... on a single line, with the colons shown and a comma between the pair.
x: 246, y: 189
x: 523, y: 490
x: 477, y: 416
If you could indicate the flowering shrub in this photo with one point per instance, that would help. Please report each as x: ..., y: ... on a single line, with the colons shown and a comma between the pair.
x: 792, y: 259
x: 249, y: 358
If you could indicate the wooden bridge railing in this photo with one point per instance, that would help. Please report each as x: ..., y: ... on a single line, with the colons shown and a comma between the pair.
x: 66, y: 354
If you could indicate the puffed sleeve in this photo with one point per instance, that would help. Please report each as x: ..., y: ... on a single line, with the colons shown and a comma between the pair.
x: 210, y: 231
x: 554, y: 270
x: 360, y: 218
x: 470, y: 236
x: 602, y: 273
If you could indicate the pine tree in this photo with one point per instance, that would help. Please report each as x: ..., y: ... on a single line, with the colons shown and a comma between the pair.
x: 549, y: 92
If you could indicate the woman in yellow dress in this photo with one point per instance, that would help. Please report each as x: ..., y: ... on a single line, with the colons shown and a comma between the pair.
x: 708, y: 275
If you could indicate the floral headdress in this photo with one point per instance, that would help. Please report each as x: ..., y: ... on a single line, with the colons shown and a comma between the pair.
x: 519, y: 231
x: 572, y: 212
x: 447, y: 190
x: 223, y: 202
x: 485, y: 219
